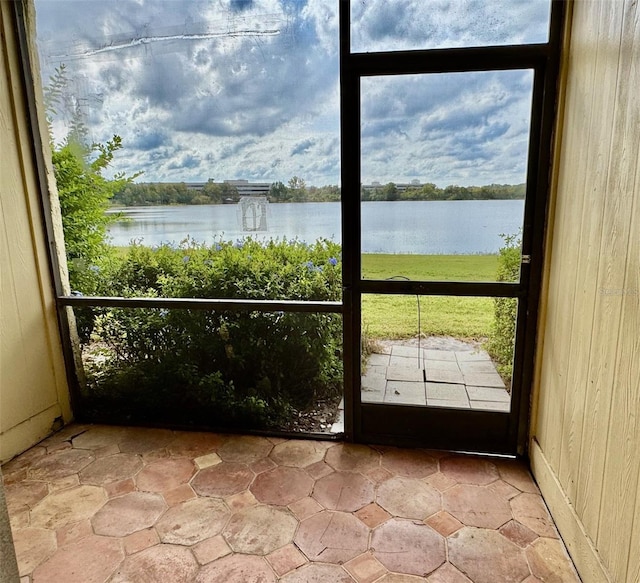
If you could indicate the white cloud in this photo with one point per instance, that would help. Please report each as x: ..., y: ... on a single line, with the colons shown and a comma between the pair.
x: 250, y: 88
x: 383, y: 25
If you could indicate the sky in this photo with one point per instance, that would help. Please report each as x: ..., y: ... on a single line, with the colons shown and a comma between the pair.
x: 249, y: 89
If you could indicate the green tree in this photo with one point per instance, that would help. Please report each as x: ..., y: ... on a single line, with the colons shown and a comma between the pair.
x: 390, y: 191
x: 297, y: 189
x: 85, y: 196
x: 278, y: 192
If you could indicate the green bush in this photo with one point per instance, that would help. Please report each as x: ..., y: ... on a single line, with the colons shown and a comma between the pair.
x: 502, y: 340
x: 217, y: 368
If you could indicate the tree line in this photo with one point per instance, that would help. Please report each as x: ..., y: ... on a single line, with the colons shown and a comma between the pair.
x: 173, y: 193
x: 296, y: 190
x: 430, y: 191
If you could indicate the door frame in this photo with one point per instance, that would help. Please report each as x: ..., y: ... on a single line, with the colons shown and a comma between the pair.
x: 442, y: 428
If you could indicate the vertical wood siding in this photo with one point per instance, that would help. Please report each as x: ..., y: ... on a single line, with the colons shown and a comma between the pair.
x: 587, y: 431
x: 33, y: 389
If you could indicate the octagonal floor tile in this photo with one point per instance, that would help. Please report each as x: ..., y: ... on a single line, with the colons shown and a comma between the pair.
x: 59, y: 464
x: 98, y: 436
x: 211, y: 549
x: 530, y: 510
x: 237, y: 569
x: 158, y: 564
x: 346, y: 491
x: 408, y: 498
x: 260, y: 530
x: 23, y: 495
x: 222, y: 480
x: 305, y: 507
x: 332, y: 537
x: 111, y: 468
x: 128, y: 514
x: 282, y: 486
x: 195, y: 444
x: 23, y: 461
x: 144, y: 440
x: 33, y: 546
x: 477, y: 506
x: 164, y: 475
x: 517, y: 474
x: 406, y: 547
x: 90, y: 560
x: 410, y: 463
x: 245, y: 449
x: 486, y: 556
x: 518, y: 533
x: 318, y: 573
x: 469, y: 470
x: 67, y: 506
x: 549, y: 561
x: 193, y: 521
x: 298, y: 453
x: 352, y: 457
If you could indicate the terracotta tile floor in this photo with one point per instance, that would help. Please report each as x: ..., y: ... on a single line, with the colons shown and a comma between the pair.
x: 94, y: 504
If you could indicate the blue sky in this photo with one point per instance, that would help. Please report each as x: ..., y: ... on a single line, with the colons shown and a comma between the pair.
x: 249, y: 89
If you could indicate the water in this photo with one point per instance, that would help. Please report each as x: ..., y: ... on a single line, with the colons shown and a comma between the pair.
x: 422, y: 227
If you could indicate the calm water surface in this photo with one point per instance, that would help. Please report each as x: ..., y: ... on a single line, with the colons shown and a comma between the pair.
x: 424, y: 227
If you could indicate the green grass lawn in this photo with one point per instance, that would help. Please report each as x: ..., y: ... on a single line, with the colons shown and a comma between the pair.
x: 392, y: 316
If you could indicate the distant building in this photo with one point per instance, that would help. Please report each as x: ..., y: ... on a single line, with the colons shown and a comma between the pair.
x: 400, y: 186
x: 244, y: 187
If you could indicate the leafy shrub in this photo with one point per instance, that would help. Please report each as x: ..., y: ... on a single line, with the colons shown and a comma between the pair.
x: 218, y: 368
x: 501, y: 342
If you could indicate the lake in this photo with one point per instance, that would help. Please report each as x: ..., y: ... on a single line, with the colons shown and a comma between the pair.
x: 420, y: 227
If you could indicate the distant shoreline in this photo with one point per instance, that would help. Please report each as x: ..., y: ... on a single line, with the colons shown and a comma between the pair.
x: 116, y: 207
x: 230, y: 192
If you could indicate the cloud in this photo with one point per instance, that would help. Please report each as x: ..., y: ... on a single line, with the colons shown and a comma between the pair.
x: 464, y: 128
x: 302, y: 147
x: 250, y: 88
x: 240, y: 5
x: 379, y: 25
x: 150, y: 140
x: 185, y: 161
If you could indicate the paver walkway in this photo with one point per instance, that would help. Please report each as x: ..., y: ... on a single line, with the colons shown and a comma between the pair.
x: 118, y: 504
x: 458, y: 375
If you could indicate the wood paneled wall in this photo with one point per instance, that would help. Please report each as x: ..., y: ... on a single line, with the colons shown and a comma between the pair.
x: 586, y: 433
x: 33, y: 387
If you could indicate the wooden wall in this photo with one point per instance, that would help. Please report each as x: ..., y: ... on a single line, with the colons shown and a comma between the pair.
x: 586, y: 431
x: 33, y: 387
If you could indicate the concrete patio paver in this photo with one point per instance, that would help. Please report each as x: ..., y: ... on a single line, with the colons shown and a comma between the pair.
x: 464, y: 378
x: 406, y: 393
